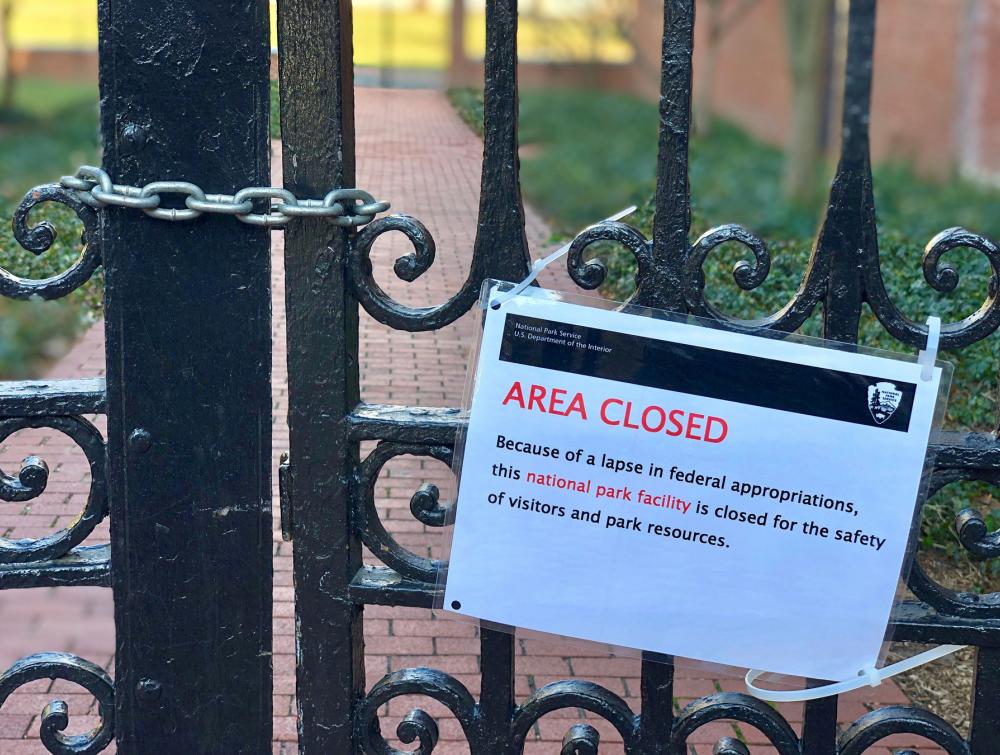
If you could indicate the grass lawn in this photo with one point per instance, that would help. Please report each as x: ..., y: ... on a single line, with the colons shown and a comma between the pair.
x: 593, y: 153
x: 51, y: 131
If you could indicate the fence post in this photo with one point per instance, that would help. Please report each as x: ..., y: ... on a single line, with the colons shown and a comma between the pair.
x: 184, y: 89
x: 317, y: 118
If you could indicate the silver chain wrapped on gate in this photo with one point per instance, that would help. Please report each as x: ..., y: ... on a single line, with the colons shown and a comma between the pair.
x: 343, y: 207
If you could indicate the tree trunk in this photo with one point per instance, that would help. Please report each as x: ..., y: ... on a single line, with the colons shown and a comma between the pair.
x: 723, y: 16
x: 807, y: 26
x: 703, y: 105
x: 457, y: 74
x: 6, y: 54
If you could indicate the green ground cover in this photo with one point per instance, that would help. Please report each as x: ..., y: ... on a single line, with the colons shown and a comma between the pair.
x: 586, y: 155
x: 51, y: 130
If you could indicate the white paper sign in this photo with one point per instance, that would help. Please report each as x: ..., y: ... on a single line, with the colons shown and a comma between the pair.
x: 685, y: 490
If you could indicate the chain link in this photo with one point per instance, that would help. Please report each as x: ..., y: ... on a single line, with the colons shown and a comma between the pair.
x: 343, y: 207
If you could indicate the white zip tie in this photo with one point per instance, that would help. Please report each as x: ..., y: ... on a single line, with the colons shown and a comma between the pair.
x: 870, y: 677
x: 538, y: 265
x: 928, y: 356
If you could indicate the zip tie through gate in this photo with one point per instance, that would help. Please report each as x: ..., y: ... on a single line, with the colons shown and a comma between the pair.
x: 540, y: 264
x: 870, y: 677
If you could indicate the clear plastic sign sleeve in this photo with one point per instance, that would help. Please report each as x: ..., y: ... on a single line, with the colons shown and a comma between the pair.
x: 656, y: 483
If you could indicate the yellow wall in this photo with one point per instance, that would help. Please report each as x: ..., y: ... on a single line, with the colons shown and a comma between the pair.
x: 410, y: 39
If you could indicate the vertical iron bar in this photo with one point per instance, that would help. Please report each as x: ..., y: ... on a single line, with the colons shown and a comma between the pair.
x: 500, y: 246
x: 184, y: 90
x: 657, y: 691
x: 500, y: 231
x: 672, y: 223
x: 496, y: 700
x: 317, y: 119
x: 662, y: 287
x: 848, y: 233
x: 819, y: 725
x: 985, y: 702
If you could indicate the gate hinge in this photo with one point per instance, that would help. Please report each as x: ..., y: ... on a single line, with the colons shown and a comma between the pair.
x: 285, y: 498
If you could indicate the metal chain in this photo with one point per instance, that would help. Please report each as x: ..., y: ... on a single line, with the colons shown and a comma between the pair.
x: 343, y: 207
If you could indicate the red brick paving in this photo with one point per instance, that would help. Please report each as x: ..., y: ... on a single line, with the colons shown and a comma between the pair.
x: 413, y: 150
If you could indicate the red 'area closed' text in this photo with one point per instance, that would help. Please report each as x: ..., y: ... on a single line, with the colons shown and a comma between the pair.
x: 617, y: 412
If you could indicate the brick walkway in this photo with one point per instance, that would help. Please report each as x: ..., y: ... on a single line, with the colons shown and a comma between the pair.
x: 415, y: 151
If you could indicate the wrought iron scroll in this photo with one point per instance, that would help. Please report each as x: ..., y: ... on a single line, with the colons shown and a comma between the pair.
x: 417, y: 725
x: 55, y: 717
x: 500, y: 249
x: 733, y: 706
x: 38, y: 239
x: 975, y: 537
x: 33, y: 477
x: 57, y: 405
x: 582, y: 695
x: 57, y: 559
x: 421, y: 728
x: 942, y: 278
x: 424, y: 505
x: 879, y: 724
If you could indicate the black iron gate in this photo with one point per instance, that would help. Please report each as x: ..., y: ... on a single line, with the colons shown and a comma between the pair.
x: 184, y: 471
x: 329, y: 275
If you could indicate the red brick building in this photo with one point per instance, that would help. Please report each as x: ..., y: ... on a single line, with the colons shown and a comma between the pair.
x: 936, y: 91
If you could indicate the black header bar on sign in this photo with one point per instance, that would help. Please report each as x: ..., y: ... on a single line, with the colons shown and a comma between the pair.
x: 699, y: 371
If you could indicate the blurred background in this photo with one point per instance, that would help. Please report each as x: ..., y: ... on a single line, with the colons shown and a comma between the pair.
x: 766, y: 111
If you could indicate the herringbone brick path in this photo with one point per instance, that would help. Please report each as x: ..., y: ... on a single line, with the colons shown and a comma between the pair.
x: 413, y: 150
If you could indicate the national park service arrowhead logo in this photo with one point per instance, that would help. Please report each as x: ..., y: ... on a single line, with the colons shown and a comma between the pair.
x: 883, y: 400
